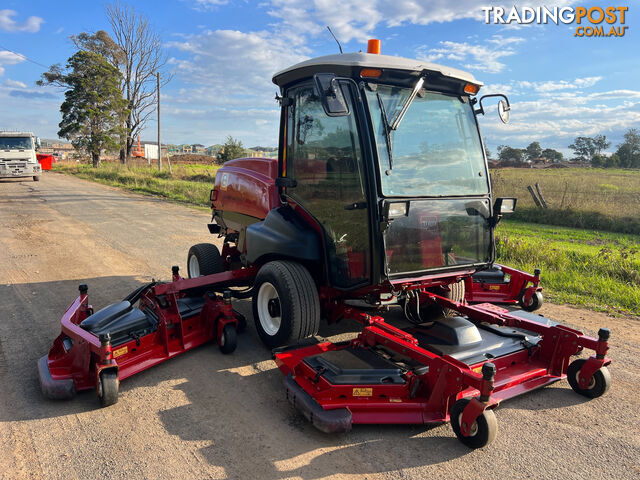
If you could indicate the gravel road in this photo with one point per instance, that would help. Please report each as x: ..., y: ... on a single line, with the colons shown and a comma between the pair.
x: 208, y: 415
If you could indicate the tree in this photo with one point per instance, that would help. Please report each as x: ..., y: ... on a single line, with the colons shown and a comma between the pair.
x: 613, y: 161
x: 510, y: 154
x: 600, y: 143
x: 629, y: 151
x: 93, y: 105
x: 142, y: 58
x: 533, y: 151
x: 231, y: 149
x: 552, y: 155
x: 584, y: 148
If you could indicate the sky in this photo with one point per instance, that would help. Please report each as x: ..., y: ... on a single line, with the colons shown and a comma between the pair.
x: 222, y: 55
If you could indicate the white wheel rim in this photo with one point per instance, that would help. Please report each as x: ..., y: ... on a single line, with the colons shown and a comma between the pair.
x: 194, y: 267
x: 270, y: 324
x: 473, y: 430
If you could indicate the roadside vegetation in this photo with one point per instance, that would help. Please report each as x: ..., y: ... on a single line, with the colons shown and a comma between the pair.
x: 189, y: 183
x: 591, y: 198
x: 588, y: 268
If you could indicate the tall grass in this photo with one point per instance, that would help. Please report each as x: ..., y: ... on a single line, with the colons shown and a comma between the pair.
x: 601, y: 199
x: 188, y: 183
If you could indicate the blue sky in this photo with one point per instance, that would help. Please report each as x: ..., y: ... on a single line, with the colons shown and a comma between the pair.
x: 223, y: 53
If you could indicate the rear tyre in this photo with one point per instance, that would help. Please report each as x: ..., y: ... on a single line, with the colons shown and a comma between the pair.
x: 429, y: 311
x: 204, y: 259
x: 483, y: 431
x: 534, y: 303
x: 229, y: 339
x: 108, y: 388
x: 600, y: 382
x: 285, y: 303
x: 36, y: 178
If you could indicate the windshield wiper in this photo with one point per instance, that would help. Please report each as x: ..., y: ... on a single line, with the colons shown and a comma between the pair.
x: 407, y: 104
x: 387, y: 131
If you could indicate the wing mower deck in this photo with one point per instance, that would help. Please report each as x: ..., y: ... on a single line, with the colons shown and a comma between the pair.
x: 99, y: 349
x: 456, y: 369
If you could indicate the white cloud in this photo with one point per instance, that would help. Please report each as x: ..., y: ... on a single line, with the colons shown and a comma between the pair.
x: 8, y: 58
x: 555, y: 118
x: 483, y: 57
x: 15, y: 83
x: 8, y: 24
x: 552, y: 86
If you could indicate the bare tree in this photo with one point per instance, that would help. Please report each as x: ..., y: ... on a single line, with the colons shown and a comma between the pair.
x: 142, y: 58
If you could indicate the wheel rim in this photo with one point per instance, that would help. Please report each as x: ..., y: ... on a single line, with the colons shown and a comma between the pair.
x: 194, y: 267
x: 592, y: 383
x: 474, y: 426
x: 269, y: 309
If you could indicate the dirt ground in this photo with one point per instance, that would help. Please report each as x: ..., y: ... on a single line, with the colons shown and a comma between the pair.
x: 208, y: 415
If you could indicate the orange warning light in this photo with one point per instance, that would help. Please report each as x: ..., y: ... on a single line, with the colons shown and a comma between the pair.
x: 373, y: 46
x: 471, y: 88
x: 370, y: 73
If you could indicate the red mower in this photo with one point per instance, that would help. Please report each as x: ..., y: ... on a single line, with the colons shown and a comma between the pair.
x: 380, y: 199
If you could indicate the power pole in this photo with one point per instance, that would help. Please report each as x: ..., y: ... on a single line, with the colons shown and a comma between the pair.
x: 159, y: 140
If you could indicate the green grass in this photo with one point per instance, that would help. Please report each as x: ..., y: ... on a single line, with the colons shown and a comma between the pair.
x: 600, y: 199
x: 188, y: 183
x: 586, y: 268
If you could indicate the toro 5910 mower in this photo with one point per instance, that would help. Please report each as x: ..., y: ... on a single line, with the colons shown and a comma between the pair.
x: 380, y: 198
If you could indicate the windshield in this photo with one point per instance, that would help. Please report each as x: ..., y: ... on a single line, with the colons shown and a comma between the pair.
x: 435, y: 150
x: 16, y: 143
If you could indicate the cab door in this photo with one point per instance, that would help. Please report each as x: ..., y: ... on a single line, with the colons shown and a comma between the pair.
x: 324, y: 156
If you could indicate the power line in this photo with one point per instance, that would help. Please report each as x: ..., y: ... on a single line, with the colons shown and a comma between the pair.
x: 26, y: 58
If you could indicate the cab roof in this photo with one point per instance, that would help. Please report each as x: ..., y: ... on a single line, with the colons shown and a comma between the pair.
x: 343, y: 64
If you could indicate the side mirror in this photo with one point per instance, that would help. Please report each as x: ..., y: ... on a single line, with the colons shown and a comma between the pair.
x: 38, y: 144
x: 331, y: 95
x: 504, y: 205
x: 504, y: 107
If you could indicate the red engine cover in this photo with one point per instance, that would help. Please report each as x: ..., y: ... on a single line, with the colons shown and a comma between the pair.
x: 247, y: 186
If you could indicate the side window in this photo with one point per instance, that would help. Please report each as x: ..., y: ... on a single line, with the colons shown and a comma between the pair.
x: 324, y: 157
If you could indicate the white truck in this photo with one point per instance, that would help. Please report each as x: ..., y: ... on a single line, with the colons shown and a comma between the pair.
x: 18, y: 155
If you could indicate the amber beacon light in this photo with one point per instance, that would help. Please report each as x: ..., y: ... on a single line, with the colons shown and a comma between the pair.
x: 373, y: 46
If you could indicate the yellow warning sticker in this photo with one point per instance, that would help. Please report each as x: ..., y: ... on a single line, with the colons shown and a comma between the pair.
x: 494, y: 287
x: 478, y: 369
x: 120, y: 351
x: 362, y: 392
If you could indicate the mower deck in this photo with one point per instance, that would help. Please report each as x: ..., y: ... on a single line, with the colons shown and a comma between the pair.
x: 417, y: 375
x: 125, y: 338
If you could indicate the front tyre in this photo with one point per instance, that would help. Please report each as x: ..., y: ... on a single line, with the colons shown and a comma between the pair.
x: 204, y: 259
x: 285, y: 303
x: 600, y: 381
x: 534, y: 303
x: 229, y: 339
x: 108, y: 387
x: 483, y: 430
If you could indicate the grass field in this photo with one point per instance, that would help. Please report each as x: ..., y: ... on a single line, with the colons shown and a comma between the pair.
x: 188, y: 183
x: 600, y: 199
x: 597, y: 269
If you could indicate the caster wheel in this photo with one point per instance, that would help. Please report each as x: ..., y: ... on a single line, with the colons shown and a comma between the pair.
x: 229, y: 339
x: 600, y: 382
x: 534, y: 303
x: 483, y: 431
x: 108, y: 388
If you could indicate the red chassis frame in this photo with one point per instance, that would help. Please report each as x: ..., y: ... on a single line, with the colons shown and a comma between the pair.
x: 521, y: 286
x: 429, y: 392
x: 77, y: 356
